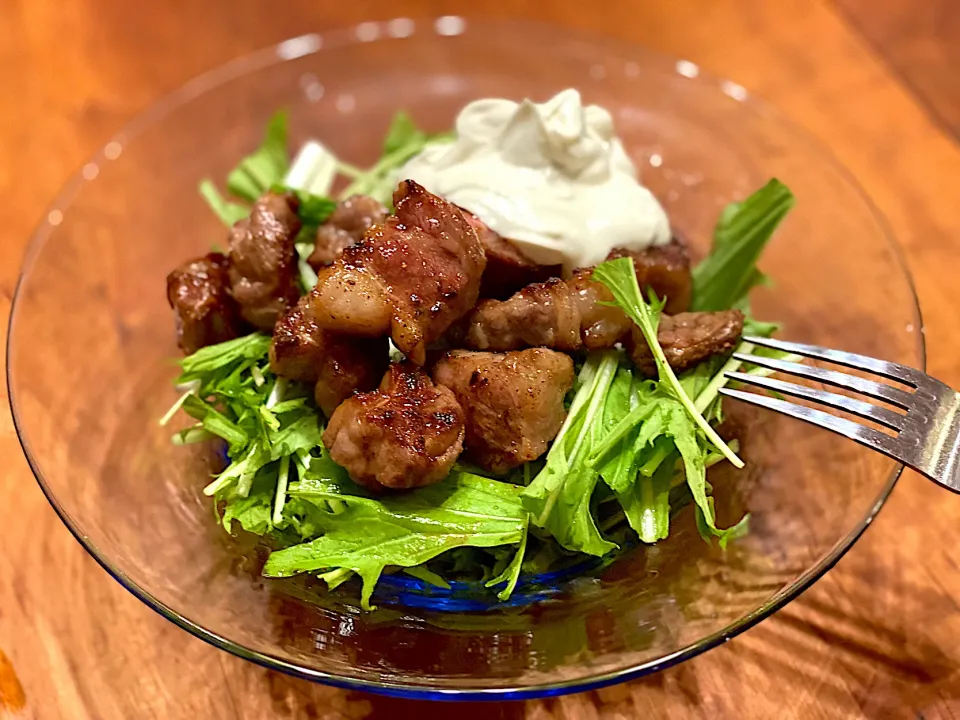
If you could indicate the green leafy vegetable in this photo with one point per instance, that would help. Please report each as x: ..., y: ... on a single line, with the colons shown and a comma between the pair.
x: 727, y: 275
x: 224, y: 395
x: 754, y: 327
x: 253, y: 512
x: 403, y: 132
x: 660, y: 423
x: 620, y: 277
x: 228, y: 212
x: 404, y: 140
x: 263, y: 169
x: 511, y: 573
x: 659, y: 432
x: 647, y: 504
x: 314, y: 209
x: 266, y: 166
x: 559, y: 496
x: 707, y: 529
x: 213, y: 363
x: 421, y: 572
x: 405, y: 530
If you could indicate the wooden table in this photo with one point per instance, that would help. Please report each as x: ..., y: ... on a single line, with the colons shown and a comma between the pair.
x: 876, y: 80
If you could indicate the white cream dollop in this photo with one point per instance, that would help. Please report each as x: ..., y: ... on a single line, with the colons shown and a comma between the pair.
x: 552, y: 177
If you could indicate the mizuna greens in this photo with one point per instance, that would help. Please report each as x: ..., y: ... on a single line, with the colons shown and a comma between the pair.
x: 630, y: 451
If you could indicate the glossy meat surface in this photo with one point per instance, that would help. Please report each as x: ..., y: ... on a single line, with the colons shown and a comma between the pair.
x: 350, y: 365
x: 263, y: 261
x: 665, y: 269
x: 570, y: 314
x: 513, y: 402
x: 338, y: 365
x: 407, y: 433
x: 413, y: 276
x: 508, y: 269
x: 199, y: 293
x: 345, y: 227
x: 542, y: 314
x: 600, y: 326
x: 297, y: 348
x: 688, y: 338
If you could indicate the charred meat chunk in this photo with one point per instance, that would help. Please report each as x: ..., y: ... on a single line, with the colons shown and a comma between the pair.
x: 542, y: 314
x: 263, y: 261
x: 688, y: 338
x: 665, y: 269
x: 513, y: 402
x: 199, y: 293
x: 570, y: 314
x: 406, y: 434
x: 508, y: 269
x: 296, y: 350
x: 350, y: 365
x: 600, y: 326
x: 411, y: 277
x: 338, y: 365
x: 345, y: 227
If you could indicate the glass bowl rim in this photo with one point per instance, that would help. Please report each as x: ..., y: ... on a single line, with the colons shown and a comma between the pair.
x: 447, y: 25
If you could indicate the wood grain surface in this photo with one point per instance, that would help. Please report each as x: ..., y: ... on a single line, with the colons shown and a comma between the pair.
x: 919, y: 41
x: 878, y: 637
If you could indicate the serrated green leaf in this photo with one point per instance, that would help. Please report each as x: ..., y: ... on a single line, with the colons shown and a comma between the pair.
x: 405, y: 530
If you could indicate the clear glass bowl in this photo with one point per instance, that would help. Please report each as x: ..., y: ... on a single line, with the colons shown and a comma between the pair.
x: 91, y: 344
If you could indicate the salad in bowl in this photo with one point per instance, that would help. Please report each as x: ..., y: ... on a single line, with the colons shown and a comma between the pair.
x: 486, y: 358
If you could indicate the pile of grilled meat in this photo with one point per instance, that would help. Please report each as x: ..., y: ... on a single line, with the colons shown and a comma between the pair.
x: 486, y: 332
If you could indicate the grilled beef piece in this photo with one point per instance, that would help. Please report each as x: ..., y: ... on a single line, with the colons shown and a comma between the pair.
x: 411, y: 277
x: 406, y: 434
x: 513, y: 402
x: 688, y: 338
x: 345, y: 227
x: 199, y: 293
x: 508, y: 269
x: 338, y: 365
x: 543, y: 314
x: 570, y: 314
x: 263, y: 260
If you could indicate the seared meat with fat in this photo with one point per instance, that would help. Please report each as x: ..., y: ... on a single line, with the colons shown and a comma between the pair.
x: 599, y: 326
x: 508, y: 269
x: 350, y: 365
x: 513, y: 402
x: 666, y: 269
x: 406, y: 434
x: 345, y: 227
x: 688, y: 338
x: 199, y: 293
x: 296, y: 350
x: 568, y: 315
x: 339, y: 365
x: 543, y: 314
x: 263, y: 261
x: 411, y: 277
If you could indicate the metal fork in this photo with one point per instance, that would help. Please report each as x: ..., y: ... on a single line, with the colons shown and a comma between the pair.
x: 924, y: 435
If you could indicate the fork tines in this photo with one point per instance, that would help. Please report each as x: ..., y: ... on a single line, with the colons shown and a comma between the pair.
x: 900, y: 397
x: 922, y: 431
